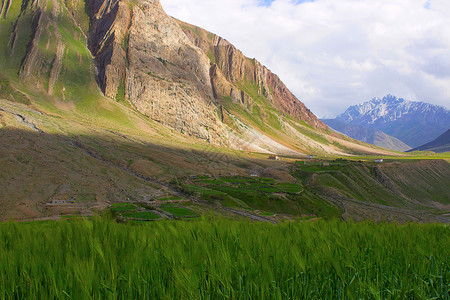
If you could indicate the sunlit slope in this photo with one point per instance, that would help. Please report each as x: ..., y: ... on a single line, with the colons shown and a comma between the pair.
x: 45, y: 63
x: 254, y: 102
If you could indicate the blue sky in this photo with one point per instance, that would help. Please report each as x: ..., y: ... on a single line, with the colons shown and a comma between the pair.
x: 266, y: 2
x: 332, y: 54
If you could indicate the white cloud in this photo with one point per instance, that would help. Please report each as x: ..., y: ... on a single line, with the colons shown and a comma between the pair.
x: 333, y: 54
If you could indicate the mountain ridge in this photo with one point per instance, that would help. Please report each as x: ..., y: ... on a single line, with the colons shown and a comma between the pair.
x: 439, y: 145
x: 367, y: 135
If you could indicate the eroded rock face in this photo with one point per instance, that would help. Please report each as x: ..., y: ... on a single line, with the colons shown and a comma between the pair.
x: 236, y: 68
x: 164, y: 75
x: 222, y: 87
x: 109, y: 25
x: 168, y: 77
x: 175, y: 75
x: 39, y: 62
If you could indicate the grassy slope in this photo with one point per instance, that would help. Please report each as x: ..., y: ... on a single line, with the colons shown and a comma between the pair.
x: 402, y: 188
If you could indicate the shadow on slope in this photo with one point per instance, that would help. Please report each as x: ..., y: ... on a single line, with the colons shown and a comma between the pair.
x: 36, y: 167
x: 99, y: 169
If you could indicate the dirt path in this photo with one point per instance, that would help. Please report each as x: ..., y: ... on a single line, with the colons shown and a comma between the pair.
x: 22, y: 119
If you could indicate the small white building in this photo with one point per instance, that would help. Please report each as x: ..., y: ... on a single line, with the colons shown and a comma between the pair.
x: 379, y: 160
x: 274, y: 157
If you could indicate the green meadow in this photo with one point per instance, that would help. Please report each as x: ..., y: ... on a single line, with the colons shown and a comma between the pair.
x: 213, y: 258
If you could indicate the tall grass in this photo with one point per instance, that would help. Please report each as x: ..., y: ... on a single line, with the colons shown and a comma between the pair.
x: 216, y: 259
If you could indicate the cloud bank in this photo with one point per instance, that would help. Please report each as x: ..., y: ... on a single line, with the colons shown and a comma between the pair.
x: 333, y: 54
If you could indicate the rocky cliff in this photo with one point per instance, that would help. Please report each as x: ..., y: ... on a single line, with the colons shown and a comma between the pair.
x: 238, y: 69
x: 175, y: 76
x: 108, y: 30
x: 144, y: 55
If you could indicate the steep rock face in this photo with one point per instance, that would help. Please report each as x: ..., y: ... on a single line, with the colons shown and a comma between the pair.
x: 168, y: 77
x: 162, y: 73
x: 222, y: 87
x: 237, y: 69
x: 109, y: 23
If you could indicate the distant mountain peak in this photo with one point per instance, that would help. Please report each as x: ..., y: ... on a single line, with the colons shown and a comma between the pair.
x: 386, y: 109
x: 385, y: 99
x: 416, y: 122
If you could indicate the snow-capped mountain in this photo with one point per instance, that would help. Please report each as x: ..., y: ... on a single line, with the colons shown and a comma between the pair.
x: 414, y: 123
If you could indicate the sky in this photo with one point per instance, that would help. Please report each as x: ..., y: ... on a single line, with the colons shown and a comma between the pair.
x: 335, y: 53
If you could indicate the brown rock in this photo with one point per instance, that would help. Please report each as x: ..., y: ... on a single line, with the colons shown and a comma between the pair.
x: 236, y: 69
x: 108, y: 38
x: 168, y: 77
x: 178, y: 74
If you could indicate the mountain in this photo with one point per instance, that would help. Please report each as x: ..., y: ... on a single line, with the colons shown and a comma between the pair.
x: 193, y: 81
x: 439, y: 145
x: 176, y: 74
x: 414, y: 123
x: 107, y: 101
x: 367, y: 135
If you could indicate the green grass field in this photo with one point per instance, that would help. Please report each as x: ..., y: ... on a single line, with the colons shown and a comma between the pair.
x: 178, y: 211
x: 218, y: 258
x: 141, y: 215
x: 118, y: 207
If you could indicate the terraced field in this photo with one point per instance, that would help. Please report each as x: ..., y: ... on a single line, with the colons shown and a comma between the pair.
x: 265, y: 194
x: 150, y: 212
x: 402, y: 190
x: 141, y: 215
